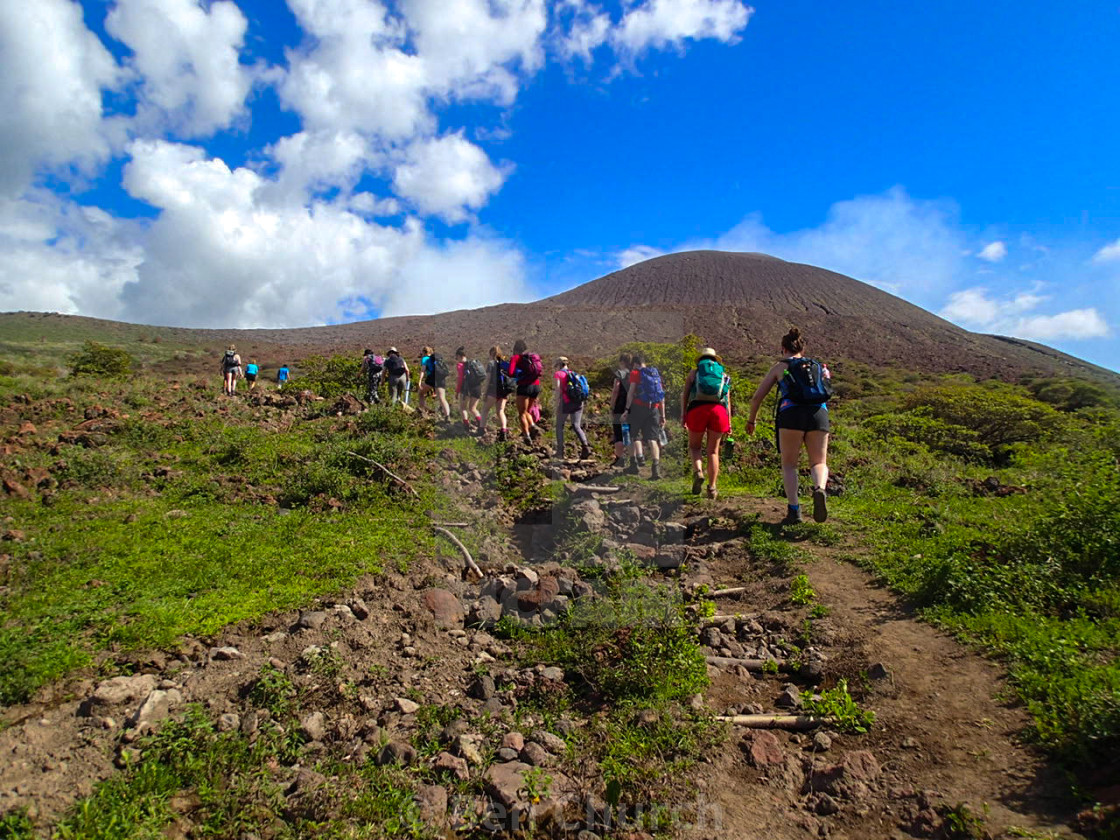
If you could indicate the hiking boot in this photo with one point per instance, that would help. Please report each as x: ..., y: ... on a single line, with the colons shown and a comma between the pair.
x: 632, y: 469
x: 527, y: 440
x: 713, y: 493
x: 584, y: 452
x: 793, y: 517
x: 534, y: 432
x: 655, y: 471
x: 618, y: 463
x: 820, y: 505
x: 641, y: 461
x: 697, y: 484
x: 502, y: 435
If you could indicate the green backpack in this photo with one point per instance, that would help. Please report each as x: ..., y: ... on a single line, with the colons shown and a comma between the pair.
x: 711, y: 383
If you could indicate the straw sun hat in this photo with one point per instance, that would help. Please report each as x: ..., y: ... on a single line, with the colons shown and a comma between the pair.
x: 708, y: 353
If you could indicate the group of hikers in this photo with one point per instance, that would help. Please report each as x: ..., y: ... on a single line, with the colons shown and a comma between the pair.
x: 637, y: 405
x: 232, y: 370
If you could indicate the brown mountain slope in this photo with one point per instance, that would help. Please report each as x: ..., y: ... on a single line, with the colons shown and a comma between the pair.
x: 741, y: 303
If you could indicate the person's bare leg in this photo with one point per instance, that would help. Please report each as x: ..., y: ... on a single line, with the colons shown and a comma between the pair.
x: 816, y: 445
x: 790, y: 442
x: 714, y: 439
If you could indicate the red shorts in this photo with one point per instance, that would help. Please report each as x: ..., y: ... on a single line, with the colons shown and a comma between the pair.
x: 704, y: 418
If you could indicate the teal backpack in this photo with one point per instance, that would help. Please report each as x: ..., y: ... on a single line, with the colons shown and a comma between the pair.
x: 711, y: 383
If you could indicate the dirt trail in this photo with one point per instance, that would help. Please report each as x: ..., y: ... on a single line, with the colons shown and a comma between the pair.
x: 942, y: 735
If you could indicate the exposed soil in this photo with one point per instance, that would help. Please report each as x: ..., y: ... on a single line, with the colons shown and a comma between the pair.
x: 941, y: 736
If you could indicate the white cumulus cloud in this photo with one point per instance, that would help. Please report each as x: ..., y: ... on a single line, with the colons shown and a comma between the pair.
x: 52, y: 73
x: 662, y: 23
x: 1108, y: 254
x: 893, y: 241
x: 186, y: 55
x: 227, y: 250
x: 993, y: 252
x: 977, y: 309
x: 446, y: 176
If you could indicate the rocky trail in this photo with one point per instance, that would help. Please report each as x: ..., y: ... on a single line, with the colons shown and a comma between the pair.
x: 371, y: 664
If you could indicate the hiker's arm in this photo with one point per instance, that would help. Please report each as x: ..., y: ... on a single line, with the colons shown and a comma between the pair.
x: 630, y: 395
x: 760, y: 394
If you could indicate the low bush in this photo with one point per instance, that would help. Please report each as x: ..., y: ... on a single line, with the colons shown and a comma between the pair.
x: 100, y: 360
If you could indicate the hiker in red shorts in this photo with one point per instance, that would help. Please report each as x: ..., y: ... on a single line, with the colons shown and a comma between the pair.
x: 706, y: 409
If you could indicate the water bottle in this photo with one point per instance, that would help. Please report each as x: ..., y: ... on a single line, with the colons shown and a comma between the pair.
x: 728, y: 446
x: 663, y: 437
x: 625, y: 434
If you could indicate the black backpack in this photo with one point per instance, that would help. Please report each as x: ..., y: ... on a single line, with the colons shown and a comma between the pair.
x: 806, y: 382
x: 506, y: 383
x: 395, y: 365
x: 437, y: 366
x: 474, y: 374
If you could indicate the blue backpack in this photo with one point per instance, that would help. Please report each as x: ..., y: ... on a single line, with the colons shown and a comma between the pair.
x: 650, y: 390
x: 576, y: 388
x: 806, y: 382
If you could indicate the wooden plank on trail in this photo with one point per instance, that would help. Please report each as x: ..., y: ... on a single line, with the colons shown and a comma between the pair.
x: 795, y: 722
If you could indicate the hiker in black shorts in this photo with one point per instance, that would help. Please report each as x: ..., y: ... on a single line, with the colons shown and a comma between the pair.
x: 618, y: 405
x: 396, y: 368
x: 433, y: 380
x: 499, y: 386
x: 231, y: 370
x: 802, y: 417
x: 470, y: 376
x: 525, y: 367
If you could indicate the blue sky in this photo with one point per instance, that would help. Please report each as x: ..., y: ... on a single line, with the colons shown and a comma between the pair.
x: 269, y: 163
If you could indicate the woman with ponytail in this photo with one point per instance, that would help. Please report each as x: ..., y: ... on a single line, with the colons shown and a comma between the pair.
x: 804, y: 385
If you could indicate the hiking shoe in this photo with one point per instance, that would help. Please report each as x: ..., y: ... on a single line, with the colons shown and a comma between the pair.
x: 641, y: 462
x: 793, y: 517
x: 820, y: 505
x: 527, y: 440
x: 655, y: 471
x: 502, y: 434
x: 713, y: 493
x: 618, y: 463
x: 632, y: 469
x: 534, y: 431
x: 585, y: 453
x: 697, y: 484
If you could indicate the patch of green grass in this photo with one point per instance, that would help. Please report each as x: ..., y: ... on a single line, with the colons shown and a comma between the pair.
x: 838, y: 704
x: 801, y: 592
x: 135, y: 576
x: 16, y: 825
x: 222, y: 770
x: 644, y: 750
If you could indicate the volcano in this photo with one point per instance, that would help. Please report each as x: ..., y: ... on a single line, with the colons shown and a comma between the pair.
x: 739, y: 303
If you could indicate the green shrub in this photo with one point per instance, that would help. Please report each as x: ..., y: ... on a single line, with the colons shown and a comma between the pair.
x: 636, y: 644
x: 100, y: 360
x: 920, y: 426
x: 996, y: 414
x: 328, y: 377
